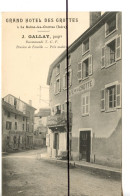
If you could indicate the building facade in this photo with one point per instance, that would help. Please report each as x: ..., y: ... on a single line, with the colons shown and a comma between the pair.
x: 40, y: 127
x: 17, y: 124
x: 94, y: 64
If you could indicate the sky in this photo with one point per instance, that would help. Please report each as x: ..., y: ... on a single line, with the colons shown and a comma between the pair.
x: 25, y: 67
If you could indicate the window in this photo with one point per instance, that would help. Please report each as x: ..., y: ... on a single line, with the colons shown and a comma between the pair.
x: 15, y: 125
x: 58, y: 69
x: 111, y: 52
x: 8, y: 114
x: 85, y: 46
x: 85, y: 103
x: 23, y: 119
x: 23, y: 127
x: 111, y: 97
x: 58, y: 109
x: 57, y: 85
x: 69, y: 79
x: 85, y: 68
x: 8, y: 125
x: 15, y: 116
x: 111, y: 25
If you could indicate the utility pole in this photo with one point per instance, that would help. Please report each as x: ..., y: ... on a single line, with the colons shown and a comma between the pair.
x: 40, y: 95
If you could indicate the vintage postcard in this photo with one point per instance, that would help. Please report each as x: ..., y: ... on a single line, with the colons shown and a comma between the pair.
x: 62, y: 103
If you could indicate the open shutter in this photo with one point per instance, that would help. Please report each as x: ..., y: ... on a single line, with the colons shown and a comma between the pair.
x: 103, y: 58
x: 118, y: 48
x: 70, y: 78
x: 63, y: 81
x: 90, y: 69
x: 103, y: 100
x: 118, y: 96
x: 59, y: 87
x: 87, y: 104
x: 54, y: 88
x: 80, y: 71
x: 47, y: 140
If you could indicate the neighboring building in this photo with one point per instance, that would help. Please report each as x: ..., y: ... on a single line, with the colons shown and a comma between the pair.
x: 17, y: 124
x: 94, y: 93
x: 40, y: 126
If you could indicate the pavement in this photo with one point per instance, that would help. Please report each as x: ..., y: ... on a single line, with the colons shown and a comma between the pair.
x: 111, y: 172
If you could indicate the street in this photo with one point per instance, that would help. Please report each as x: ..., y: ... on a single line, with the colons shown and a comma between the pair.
x: 25, y: 174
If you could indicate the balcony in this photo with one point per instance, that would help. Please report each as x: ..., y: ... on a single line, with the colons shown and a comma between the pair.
x: 59, y: 120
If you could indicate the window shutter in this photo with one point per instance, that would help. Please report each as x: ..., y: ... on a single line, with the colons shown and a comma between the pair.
x: 118, y: 96
x: 118, y: 47
x: 70, y: 78
x: 103, y: 100
x: 107, y: 56
x: 87, y: 104
x: 63, y: 81
x: 103, y: 58
x: 90, y: 69
x: 59, y: 87
x: 79, y: 71
x: 47, y: 140
x: 83, y: 105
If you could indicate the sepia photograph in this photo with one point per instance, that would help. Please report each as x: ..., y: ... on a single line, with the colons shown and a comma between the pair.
x: 62, y: 103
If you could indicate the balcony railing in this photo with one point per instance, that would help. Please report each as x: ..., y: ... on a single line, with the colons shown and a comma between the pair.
x: 59, y: 120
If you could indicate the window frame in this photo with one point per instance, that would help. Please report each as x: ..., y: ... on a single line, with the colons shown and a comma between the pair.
x: 106, y: 97
x: 57, y: 91
x: 83, y: 45
x: 116, y: 48
x: 116, y: 28
x: 90, y: 67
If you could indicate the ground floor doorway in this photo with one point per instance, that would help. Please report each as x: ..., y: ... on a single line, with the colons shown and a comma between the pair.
x: 85, y: 145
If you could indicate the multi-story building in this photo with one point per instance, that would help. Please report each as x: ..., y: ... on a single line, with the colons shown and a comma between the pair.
x: 40, y: 126
x: 94, y: 64
x: 17, y: 124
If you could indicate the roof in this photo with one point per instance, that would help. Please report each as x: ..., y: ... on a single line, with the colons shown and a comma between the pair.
x: 12, y: 109
x: 21, y: 100
x: 43, y: 112
x: 78, y: 41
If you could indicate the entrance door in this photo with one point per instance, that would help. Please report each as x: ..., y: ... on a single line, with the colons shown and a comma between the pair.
x: 56, y: 142
x: 85, y: 143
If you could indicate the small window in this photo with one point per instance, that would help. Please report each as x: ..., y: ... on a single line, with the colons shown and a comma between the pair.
x: 111, y: 25
x: 15, y: 116
x: 111, y: 52
x: 8, y: 125
x: 85, y: 46
x: 8, y: 114
x: 57, y: 85
x: 15, y: 125
x: 23, y: 127
x: 23, y: 118
x: 58, y: 109
x: 85, y: 68
x: 111, y: 97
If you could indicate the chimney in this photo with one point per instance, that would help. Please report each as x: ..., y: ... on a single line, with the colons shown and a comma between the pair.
x: 94, y: 17
x: 30, y: 102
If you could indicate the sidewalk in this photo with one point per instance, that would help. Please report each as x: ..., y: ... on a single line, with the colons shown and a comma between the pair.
x: 95, y: 169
